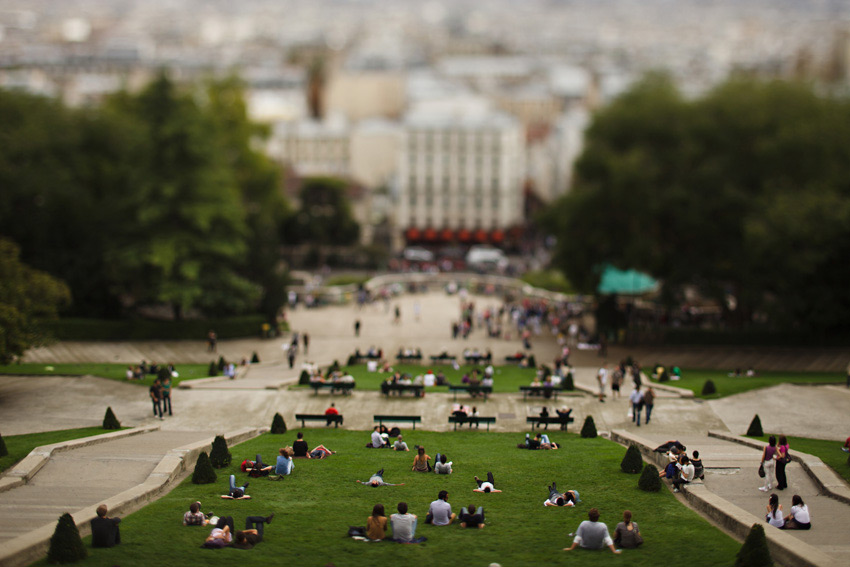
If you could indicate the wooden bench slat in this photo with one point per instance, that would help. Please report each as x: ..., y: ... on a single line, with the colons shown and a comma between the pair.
x: 414, y: 419
x: 555, y: 419
x: 477, y: 420
x: 303, y: 417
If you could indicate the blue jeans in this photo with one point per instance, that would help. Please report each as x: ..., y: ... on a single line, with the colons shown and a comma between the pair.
x: 648, y: 411
x: 544, y: 438
x: 636, y: 413
x: 233, y: 484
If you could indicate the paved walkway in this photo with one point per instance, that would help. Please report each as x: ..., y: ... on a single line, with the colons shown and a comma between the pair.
x: 44, y: 403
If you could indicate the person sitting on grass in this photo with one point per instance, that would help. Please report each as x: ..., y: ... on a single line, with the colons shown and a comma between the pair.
x: 400, y: 445
x: 194, y: 517
x: 472, y: 517
x: 299, y: 450
x: 376, y: 524
x: 221, y: 535
x: 404, y: 526
x: 593, y: 534
x: 556, y: 498
x: 378, y: 440
x: 104, y: 530
x: 627, y: 533
x: 284, y: 464
x: 420, y: 461
x: 443, y: 465
x: 440, y: 512
x: 486, y: 487
x: 377, y: 480
x: 253, y: 532
x: 236, y: 493
x: 799, y: 518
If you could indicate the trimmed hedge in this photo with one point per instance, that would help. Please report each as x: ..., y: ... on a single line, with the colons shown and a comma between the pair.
x: 203, y: 473
x: 754, y: 552
x: 66, y: 546
x: 110, y: 421
x: 278, y: 425
x: 148, y: 329
x: 220, y: 455
x: 632, y: 462
x: 755, y: 429
x: 649, y: 480
x: 567, y: 382
x: 708, y: 388
x: 3, y: 450
x: 588, y: 430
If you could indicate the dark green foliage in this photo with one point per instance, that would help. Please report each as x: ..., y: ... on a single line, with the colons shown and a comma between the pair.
x: 255, y: 358
x: 649, y: 480
x: 163, y: 373
x: 352, y: 360
x: 141, y: 329
x: 532, y: 362
x: 278, y: 425
x: 334, y: 367
x: 3, y: 450
x: 708, y: 388
x: 110, y: 421
x: 755, y: 429
x: 754, y: 552
x: 204, y: 472
x: 213, y: 370
x: 66, y: 546
x: 221, y: 363
x: 588, y: 430
x: 220, y: 455
x: 632, y: 461
x: 567, y: 382
x: 325, y: 216
x: 304, y: 378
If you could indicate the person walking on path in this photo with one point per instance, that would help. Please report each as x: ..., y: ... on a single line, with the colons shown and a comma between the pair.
x: 212, y: 339
x: 648, y: 402
x: 306, y: 340
x: 602, y: 379
x: 290, y: 355
x: 165, y: 387
x: 156, y: 398
x: 636, y: 399
x: 768, y: 461
x: 782, y: 459
x: 357, y: 328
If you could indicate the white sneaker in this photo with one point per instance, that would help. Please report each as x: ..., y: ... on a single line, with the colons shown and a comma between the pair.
x: 763, y: 489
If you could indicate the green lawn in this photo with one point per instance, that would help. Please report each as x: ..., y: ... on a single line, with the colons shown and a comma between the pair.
x: 315, y: 506
x: 19, y: 446
x: 727, y: 385
x: 113, y: 371
x: 827, y: 451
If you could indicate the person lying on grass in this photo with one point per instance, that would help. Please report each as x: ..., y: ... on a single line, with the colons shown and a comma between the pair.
x: 253, y: 532
x: 556, y: 498
x: 487, y: 486
x: 221, y: 535
x: 472, y: 517
x: 236, y: 493
x: 377, y: 480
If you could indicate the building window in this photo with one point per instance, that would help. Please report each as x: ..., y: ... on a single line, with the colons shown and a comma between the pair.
x: 412, y: 200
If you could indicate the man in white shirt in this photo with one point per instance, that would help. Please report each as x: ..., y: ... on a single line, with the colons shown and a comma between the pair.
x: 687, y: 473
x: 602, y: 379
x: 636, y: 398
x: 377, y: 439
x: 403, y: 524
x: 440, y: 512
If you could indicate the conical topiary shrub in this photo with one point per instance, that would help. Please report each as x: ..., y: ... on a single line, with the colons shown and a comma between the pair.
x: 204, y: 473
x: 220, y: 454
x: 754, y: 552
x: 708, y: 388
x: 588, y: 430
x: 632, y: 462
x: 755, y: 428
x: 3, y: 450
x: 213, y: 369
x: 567, y: 382
x: 221, y: 363
x: 110, y: 421
x: 255, y: 358
x: 278, y: 425
x: 649, y: 479
x: 532, y: 362
x: 304, y: 378
x: 66, y: 546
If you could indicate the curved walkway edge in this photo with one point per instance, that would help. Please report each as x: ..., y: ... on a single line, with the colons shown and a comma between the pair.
x: 172, y: 468
x: 784, y: 547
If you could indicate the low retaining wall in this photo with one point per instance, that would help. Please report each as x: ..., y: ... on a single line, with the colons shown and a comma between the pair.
x: 173, y: 467
x: 784, y: 547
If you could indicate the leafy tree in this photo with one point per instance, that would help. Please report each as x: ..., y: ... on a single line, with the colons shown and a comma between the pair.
x: 325, y: 215
x: 26, y: 295
x: 742, y: 193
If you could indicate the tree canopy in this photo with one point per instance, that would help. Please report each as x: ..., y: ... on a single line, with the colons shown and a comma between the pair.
x: 742, y: 193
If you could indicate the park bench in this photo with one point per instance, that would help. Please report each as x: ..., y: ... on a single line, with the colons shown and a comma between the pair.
x: 302, y: 417
x: 414, y: 419
x: 443, y: 358
x: 478, y: 358
x: 361, y: 358
x: 472, y: 390
x: 461, y: 419
x: 545, y: 391
x: 408, y: 357
x: 556, y: 419
x: 514, y: 359
x: 387, y: 387
x: 344, y: 387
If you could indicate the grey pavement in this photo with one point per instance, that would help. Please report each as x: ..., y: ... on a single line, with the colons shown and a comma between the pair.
x: 30, y: 404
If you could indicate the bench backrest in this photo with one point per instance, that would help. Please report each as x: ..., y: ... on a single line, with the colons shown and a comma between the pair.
x: 397, y: 418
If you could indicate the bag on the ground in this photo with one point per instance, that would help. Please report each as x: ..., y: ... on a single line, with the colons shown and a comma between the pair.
x: 761, y: 470
x: 356, y: 531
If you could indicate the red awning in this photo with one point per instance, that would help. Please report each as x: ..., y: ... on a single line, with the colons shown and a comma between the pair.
x: 413, y: 234
x: 497, y: 235
x: 481, y: 235
x: 430, y: 234
x: 464, y: 235
x: 447, y: 234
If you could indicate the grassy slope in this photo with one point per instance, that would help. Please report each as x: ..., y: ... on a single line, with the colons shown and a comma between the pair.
x: 506, y: 379
x: 317, y: 504
x: 827, y: 451
x: 726, y: 385
x: 19, y: 446
x: 113, y: 371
